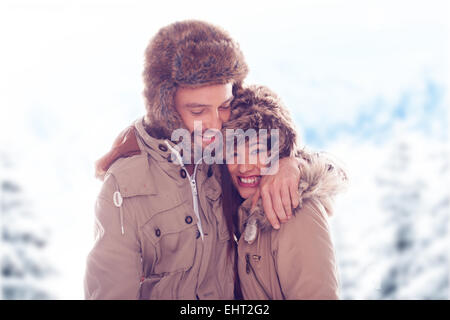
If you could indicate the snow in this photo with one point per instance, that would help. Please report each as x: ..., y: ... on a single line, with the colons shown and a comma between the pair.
x: 24, y: 265
x: 394, y: 243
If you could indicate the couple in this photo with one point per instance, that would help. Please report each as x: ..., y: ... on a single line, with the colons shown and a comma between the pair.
x: 171, y: 228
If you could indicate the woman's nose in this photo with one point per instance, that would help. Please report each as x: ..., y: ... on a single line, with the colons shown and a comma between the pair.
x: 245, y: 167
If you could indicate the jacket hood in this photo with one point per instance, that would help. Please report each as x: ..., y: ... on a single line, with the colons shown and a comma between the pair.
x: 257, y: 107
x: 125, y: 145
x: 322, y: 178
x: 186, y: 54
x: 132, y: 141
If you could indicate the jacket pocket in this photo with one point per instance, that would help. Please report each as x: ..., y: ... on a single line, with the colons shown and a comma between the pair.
x: 146, y: 287
x: 172, y: 235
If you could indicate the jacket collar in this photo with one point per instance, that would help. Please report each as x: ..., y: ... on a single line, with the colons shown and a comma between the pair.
x: 161, y: 151
x: 252, y: 221
x: 157, y: 148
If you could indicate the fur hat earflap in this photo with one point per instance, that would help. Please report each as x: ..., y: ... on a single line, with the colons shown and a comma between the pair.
x: 186, y: 54
x: 257, y: 107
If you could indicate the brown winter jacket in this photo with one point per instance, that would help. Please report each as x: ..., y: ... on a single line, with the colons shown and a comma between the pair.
x: 149, y: 244
x: 297, y: 261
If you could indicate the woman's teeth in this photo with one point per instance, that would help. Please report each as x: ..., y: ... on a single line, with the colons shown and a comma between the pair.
x: 208, y: 138
x: 250, y: 180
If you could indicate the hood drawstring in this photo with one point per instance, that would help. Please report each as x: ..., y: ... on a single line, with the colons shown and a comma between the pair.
x: 118, y: 200
x: 251, y: 229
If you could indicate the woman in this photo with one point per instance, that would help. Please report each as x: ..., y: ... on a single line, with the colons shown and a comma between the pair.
x: 297, y: 261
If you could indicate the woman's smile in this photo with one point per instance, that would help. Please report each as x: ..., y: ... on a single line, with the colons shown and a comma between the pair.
x: 248, y: 181
x: 246, y: 176
x: 208, y: 139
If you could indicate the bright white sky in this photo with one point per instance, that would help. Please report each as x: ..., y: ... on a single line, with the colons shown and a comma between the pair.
x: 70, y: 80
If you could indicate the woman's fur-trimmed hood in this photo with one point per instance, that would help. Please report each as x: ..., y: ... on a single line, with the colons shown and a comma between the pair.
x: 186, y: 54
x: 322, y: 178
x: 257, y: 107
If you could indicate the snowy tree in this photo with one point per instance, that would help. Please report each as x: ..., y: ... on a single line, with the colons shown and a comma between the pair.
x: 415, y: 203
x: 391, y: 228
x: 23, y: 241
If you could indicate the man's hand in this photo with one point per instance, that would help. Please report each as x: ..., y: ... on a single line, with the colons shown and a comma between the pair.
x: 125, y: 145
x: 279, y: 192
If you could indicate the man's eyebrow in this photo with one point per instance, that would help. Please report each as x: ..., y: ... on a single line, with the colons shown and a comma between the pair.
x: 196, y: 105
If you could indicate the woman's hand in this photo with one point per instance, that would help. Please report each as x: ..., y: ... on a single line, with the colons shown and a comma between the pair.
x: 279, y: 191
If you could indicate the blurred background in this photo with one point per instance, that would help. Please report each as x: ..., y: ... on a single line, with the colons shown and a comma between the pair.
x: 365, y: 80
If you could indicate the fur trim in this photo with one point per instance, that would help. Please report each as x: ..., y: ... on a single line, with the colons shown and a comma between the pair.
x: 321, y: 180
x: 188, y: 54
x: 257, y: 107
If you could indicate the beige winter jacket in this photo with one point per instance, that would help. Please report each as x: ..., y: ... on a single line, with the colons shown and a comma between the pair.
x: 297, y: 261
x: 150, y: 243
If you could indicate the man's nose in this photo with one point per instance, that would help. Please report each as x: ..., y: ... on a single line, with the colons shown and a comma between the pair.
x: 214, y: 121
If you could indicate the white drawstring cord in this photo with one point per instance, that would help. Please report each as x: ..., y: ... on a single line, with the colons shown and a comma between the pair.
x: 118, y: 200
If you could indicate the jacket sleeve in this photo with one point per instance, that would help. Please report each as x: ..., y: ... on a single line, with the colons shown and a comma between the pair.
x: 305, y: 257
x: 114, y: 266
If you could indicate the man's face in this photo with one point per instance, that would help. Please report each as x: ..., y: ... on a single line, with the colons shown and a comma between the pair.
x: 209, y: 105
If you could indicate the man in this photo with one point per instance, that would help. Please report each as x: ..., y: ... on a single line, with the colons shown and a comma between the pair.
x: 160, y: 231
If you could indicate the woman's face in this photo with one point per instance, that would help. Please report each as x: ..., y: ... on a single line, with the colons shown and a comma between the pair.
x: 246, y: 175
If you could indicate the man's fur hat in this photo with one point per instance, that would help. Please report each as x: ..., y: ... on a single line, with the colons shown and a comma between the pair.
x: 186, y: 54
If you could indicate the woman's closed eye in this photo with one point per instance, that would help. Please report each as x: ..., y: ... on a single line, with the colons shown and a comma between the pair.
x: 258, y: 150
x: 253, y: 152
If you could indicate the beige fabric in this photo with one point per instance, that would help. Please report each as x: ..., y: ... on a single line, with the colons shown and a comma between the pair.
x: 298, y: 260
x: 295, y: 262
x: 149, y: 247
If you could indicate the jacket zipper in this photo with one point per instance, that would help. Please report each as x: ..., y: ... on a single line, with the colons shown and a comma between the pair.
x: 193, y: 186
x: 195, y: 198
x: 248, y: 268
